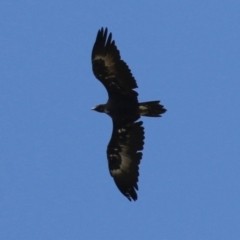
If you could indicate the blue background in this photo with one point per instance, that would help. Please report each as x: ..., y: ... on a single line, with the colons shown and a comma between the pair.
x: 54, y: 179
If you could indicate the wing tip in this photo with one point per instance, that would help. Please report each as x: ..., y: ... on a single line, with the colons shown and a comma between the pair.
x: 131, y: 194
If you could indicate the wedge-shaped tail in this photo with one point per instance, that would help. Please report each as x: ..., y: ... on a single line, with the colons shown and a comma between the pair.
x: 151, y: 109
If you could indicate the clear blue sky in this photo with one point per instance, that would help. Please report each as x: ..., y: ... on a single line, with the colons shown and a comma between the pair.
x: 54, y: 178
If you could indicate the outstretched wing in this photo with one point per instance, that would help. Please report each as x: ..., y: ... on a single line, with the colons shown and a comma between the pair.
x: 124, y: 156
x: 108, y: 67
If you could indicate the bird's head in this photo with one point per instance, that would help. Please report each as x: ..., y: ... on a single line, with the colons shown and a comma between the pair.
x: 99, y: 108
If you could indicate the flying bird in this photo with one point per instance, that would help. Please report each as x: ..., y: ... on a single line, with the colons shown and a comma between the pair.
x: 127, y: 140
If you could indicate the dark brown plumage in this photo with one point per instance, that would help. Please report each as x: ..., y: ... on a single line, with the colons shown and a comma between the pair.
x: 127, y: 140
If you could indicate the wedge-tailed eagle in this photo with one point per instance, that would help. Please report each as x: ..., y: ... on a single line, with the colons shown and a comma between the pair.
x: 126, y: 143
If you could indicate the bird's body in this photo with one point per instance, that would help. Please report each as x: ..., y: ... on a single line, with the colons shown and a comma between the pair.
x: 124, y: 149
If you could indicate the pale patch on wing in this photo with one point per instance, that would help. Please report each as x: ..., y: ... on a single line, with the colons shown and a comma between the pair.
x: 124, y: 157
x: 108, y: 66
x: 122, y: 130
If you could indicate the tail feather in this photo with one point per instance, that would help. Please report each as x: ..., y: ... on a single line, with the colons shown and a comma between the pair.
x: 151, y: 109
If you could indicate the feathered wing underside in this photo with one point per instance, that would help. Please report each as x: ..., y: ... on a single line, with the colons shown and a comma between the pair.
x: 124, y: 149
x: 124, y: 156
x: 109, y: 68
